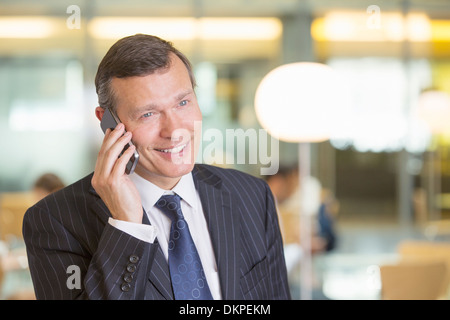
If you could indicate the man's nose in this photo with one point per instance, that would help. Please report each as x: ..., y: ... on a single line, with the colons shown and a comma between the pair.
x: 170, y: 127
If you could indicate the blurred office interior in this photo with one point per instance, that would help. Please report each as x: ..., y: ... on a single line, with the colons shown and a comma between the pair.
x: 383, y: 178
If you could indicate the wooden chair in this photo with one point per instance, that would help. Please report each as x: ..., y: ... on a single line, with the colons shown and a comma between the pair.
x: 413, y: 280
x: 12, y: 209
x: 427, y: 251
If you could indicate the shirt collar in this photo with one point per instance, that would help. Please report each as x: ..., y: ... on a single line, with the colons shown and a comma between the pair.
x: 185, y: 188
x: 150, y: 193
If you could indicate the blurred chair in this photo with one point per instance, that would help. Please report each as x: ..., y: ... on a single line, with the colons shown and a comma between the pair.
x: 413, y: 280
x: 13, y: 262
x: 427, y: 251
x: 12, y: 209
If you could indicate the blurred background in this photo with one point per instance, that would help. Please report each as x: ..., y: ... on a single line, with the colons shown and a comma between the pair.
x: 381, y: 228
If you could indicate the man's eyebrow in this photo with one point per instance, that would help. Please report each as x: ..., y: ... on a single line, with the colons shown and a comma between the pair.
x: 183, y: 94
x: 152, y: 106
x: 137, y: 111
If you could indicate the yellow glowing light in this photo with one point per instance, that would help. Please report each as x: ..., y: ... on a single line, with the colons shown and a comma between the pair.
x: 360, y: 27
x: 240, y: 28
x: 118, y: 27
x: 418, y: 28
x: 27, y: 27
x: 188, y: 28
x: 440, y: 30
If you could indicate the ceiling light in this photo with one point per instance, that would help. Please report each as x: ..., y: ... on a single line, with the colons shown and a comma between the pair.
x: 354, y: 26
x: 188, y: 28
x: 240, y: 28
x: 26, y: 27
x: 119, y: 27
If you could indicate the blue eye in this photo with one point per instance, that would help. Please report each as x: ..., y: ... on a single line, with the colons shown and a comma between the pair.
x: 183, y: 103
x: 147, y: 115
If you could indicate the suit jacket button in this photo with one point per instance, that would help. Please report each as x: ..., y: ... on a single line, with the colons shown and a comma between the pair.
x: 131, y: 267
x: 128, y: 277
x: 134, y: 258
x: 125, y: 287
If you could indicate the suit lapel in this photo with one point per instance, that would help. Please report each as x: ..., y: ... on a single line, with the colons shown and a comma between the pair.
x: 223, y: 228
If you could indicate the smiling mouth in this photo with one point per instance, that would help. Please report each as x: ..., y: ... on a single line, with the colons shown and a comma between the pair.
x: 174, y: 149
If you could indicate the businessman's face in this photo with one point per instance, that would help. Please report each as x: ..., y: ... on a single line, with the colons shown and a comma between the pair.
x: 162, y: 112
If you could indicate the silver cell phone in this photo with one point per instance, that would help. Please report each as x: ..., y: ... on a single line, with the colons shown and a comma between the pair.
x: 110, y: 120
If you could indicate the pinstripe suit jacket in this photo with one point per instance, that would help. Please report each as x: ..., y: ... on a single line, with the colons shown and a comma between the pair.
x: 70, y: 228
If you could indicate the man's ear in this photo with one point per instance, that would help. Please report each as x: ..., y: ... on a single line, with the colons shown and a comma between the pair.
x: 99, y: 112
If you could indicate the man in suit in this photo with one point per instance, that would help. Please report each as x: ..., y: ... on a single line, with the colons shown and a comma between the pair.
x: 107, y: 228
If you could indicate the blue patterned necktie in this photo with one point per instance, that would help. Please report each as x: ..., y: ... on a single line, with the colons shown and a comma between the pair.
x: 188, y: 278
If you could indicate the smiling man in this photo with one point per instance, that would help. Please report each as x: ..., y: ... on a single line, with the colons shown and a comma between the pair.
x: 173, y: 229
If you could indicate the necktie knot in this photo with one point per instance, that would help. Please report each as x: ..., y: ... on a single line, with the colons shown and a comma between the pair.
x: 170, y: 205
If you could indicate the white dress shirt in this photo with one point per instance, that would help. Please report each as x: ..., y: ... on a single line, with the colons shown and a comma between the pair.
x: 160, y: 223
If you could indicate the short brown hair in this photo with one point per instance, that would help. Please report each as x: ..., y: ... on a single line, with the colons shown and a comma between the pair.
x: 137, y: 55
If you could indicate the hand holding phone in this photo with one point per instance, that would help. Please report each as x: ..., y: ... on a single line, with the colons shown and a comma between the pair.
x: 117, y: 158
x: 110, y: 121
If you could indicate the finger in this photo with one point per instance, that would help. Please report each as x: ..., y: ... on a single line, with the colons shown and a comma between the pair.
x: 102, y: 147
x: 105, y: 161
x: 109, y: 139
x: 113, y: 153
x: 121, y: 163
x: 110, y: 151
x: 111, y: 136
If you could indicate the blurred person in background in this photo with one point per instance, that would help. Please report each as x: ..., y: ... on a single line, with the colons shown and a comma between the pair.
x: 328, y: 212
x: 47, y: 184
x: 285, y: 186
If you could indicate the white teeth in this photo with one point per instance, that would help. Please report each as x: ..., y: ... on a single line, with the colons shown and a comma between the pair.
x: 174, y: 150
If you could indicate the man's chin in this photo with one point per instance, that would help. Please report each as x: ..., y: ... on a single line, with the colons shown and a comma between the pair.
x: 171, y: 171
x: 177, y: 170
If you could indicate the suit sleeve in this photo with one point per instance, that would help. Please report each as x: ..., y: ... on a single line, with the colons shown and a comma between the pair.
x: 277, y: 264
x: 63, y: 268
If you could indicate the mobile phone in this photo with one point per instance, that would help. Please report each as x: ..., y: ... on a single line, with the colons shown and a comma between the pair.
x: 110, y: 120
